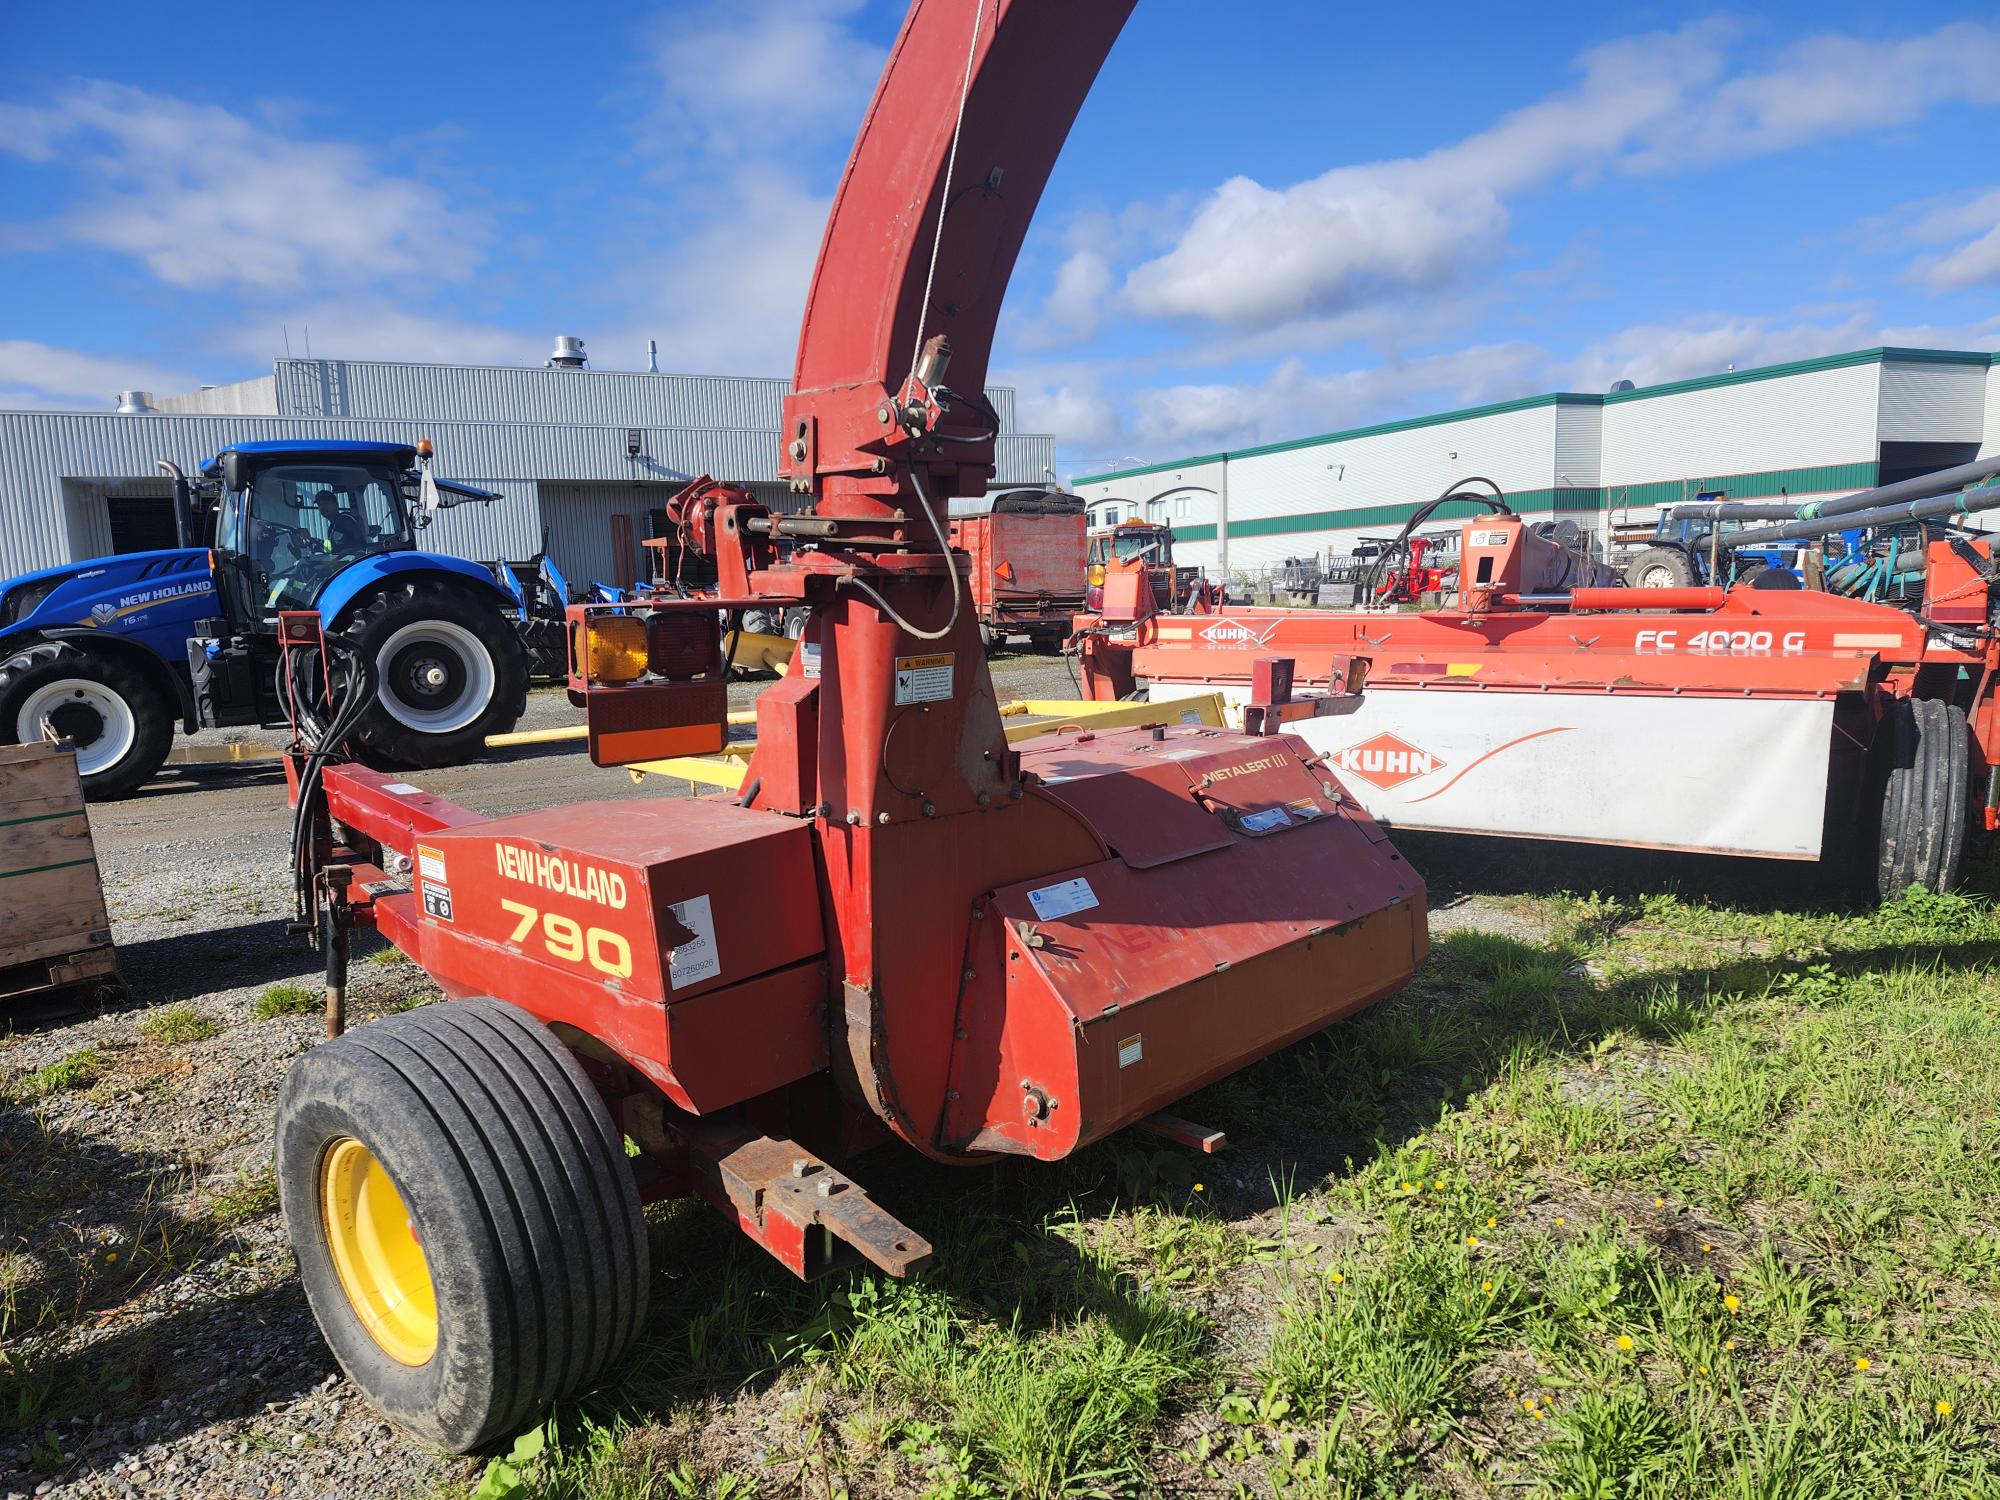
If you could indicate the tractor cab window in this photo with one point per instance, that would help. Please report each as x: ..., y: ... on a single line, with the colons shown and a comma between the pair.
x: 1136, y: 542
x: 299, y: 524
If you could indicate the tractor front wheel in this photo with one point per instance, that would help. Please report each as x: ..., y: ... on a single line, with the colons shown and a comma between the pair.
x: 449, y: 671
x: 1660, y: 568
x: 120, y: 723
x: 1925, y: 766
x: 464, y: 1217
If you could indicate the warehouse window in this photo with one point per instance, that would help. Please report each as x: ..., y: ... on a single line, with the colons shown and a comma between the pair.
x: 1183, y: 507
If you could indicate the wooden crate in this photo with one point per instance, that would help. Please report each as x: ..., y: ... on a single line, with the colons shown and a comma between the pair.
x: 53, y: 927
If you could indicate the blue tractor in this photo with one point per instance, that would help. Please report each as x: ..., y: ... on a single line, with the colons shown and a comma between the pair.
x: 1679, y: 556
x: 111, y: 653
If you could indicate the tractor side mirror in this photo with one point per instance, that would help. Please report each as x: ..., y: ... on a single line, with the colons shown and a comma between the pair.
x: 235, y: 472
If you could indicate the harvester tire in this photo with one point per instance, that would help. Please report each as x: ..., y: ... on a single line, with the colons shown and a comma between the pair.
x: 449, y: 671
x: 467, y: 1131
x: 1926, y: 784
x: 121, y: 723
x: 1660, y: 568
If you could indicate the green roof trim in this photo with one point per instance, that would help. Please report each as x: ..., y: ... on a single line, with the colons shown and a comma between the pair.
x: 1565, y: 500
x: 1576, y: 398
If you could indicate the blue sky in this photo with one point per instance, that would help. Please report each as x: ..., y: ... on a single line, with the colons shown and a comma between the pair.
x: 1271, y: 220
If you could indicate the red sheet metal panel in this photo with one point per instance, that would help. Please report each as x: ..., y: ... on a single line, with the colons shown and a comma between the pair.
x: 1100, y: 994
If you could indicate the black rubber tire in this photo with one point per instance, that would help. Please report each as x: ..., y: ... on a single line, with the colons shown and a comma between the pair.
x: 1925, y: 770
x: 1669, y: 560
x: 518, y: 1190
x: 796, y: 619
x: 383, y: 741
x: 152, y: 714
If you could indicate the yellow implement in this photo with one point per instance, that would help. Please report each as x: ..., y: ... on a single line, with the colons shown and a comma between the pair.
x: 1048, y: 715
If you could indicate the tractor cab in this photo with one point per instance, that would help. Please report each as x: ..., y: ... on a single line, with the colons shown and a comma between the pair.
x: 287, y: 518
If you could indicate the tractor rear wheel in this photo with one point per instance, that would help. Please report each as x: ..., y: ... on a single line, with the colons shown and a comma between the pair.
x: 119, y: 721
x: 465, y: 1221
x: 1926, y: 781
x: 449, y: 671
x: 1660, y: 568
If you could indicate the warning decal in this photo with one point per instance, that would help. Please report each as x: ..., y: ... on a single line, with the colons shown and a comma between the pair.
x: 696, y: 960
x: 430, y: 863
x: 1131, y: 1050
x: 923, y: 679
x: 437, y: 902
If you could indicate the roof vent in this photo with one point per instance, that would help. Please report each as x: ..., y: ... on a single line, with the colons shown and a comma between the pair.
x: 568, y: 353
x: 1618, y: 386
x: 136, y: 401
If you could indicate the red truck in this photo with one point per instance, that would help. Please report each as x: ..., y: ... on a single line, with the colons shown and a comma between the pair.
x: 1028, y: 563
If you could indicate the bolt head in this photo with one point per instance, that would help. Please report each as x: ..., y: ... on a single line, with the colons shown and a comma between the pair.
x: 881, y: 817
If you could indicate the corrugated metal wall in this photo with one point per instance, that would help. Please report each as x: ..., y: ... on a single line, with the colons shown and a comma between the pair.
x: 1811, y: 419
x: 39, y: 450
x: 1930, y: 403
x: 255, y: 397
x: 508, y: 393
x: 1991, y: 444
x: 1579, y: 445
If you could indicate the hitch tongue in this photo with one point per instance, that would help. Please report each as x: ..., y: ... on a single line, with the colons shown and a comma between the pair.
x: 779, y: 1192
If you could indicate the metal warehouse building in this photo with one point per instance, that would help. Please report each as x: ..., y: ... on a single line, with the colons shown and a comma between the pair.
x: 569, y: 448
x: 1804, y: 430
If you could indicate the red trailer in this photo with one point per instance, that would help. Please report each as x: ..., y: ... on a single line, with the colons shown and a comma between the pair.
x: 1027, y: 551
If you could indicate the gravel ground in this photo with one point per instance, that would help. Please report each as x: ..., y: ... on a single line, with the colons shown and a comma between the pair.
x: 153, y: 1337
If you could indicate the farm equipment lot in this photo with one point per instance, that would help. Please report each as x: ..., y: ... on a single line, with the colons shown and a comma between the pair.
x: 1631, y: 1189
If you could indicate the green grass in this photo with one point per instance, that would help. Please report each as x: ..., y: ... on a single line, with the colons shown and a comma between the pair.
x: 178, y: 1024
x: 288, y: 1000
x: 78, y: 1070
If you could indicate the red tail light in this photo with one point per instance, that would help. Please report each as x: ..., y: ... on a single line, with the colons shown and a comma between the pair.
x: 684, y: 643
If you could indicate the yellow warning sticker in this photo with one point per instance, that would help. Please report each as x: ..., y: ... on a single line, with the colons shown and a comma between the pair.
x: 923, y: 679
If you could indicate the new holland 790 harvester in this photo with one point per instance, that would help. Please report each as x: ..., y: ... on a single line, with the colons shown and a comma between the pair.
x: 903, y: 928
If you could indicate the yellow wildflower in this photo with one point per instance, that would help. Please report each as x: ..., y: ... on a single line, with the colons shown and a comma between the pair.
x: 1659, y: 1203
x: 110, y: 1255
x: 1732, y: 1302
x: 1485, y: 1286
x: 1492, y: 1223
x: 1439, y: 1182
x: 1944, y: 1408
x: 1336, y: 1278
x: 1862, y: 1363
x: 1559, y: 1221
x: 1624, y: 1341
x: 1706, y: 1249
x: 1729, y: 1343
x: 1472, y: 1242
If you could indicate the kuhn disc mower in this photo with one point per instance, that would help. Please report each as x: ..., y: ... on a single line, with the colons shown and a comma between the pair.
x: 1785, y: 723
x: 903, y: 928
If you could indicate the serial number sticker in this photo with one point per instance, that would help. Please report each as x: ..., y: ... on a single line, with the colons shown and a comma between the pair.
x: 1131, y: 1050
x: 402, y: 789
x: 923, y: 679
x: 430, y: 863
x: 380, y: 888
x: 809, y: 658
x: 1191, y: 716
x: 1489, y: 539
x: 698, y: 959
x: 1306, y: 808
x: 437, y: 902
x: 1061, y: 899
x: 1265, y: 821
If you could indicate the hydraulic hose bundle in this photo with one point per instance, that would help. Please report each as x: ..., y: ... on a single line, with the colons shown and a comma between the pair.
x: 1883, y: 505
x: 323, y: 713
x: 1496, y: 503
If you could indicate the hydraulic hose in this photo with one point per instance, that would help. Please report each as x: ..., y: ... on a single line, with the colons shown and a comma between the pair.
x: 1496, y: 503
x: 1920, y: 488
x: 1970, y: 502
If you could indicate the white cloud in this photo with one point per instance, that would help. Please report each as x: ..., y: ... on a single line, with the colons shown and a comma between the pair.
x: 207, y: 199
x: 1256, y: 257
x: 370, y: 327
x: 42, y: 376
x: 1973, y: 220
x: 1650, y: 353
x: 746, y: 79
x: 1829, y: 86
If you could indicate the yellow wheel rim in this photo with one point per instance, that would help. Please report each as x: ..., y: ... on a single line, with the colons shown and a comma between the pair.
x: 376, y: 1253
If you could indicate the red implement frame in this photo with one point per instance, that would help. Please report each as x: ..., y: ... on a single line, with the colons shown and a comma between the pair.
x: 905, y: 926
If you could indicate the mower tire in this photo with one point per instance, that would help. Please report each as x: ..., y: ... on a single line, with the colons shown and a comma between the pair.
x: 1660, y: 568
x: 464, y: 1217
x: 450, y: 669
x: 120, y: 722
x: 1925, y: 771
